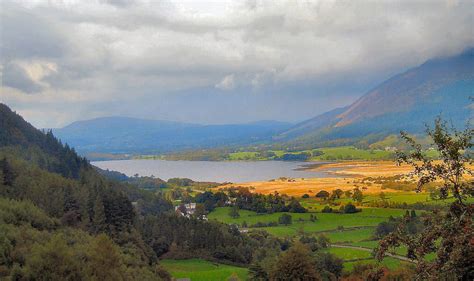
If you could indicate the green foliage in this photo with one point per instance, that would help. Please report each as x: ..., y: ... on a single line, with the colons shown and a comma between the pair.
x: 357, y: 195
x: 285, y: 219
x: 350, y: 209
x: 322, y: 194
x: 234, y: 212
x: 295, y: 264
x: 448, y: 233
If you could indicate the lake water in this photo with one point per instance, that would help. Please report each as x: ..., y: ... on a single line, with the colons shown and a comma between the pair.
x: 239, y: 171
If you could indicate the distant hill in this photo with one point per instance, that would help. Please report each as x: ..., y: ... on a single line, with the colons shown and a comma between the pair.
x: 406, y: 101
x: 131, y: 135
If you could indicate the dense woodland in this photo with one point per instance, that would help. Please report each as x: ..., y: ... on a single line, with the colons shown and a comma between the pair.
x: 55, y: 206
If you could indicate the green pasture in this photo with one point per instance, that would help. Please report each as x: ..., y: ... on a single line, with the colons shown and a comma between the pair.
x: 369, y: 217
x: 351, y: 153
x: 202, y: 270
x: 351, y: 236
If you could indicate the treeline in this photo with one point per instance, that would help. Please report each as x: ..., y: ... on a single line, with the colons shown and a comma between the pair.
x: 411, y: 222
x: 154, y: 183
x: 246, y: 200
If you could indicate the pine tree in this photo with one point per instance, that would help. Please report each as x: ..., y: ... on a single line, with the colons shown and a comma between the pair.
x: 99, y: 222
x: 234, y: 212
x: 7, y: 171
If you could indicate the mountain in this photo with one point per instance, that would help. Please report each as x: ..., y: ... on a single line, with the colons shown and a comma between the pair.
x: 131, y: 135
x: 406, y: 102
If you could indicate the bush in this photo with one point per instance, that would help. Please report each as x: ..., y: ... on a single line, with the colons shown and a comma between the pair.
x: 305, y: 196
x: 285, y: 219
x: 322, y: 194
x: 350, y: 209
x: 327, y: 209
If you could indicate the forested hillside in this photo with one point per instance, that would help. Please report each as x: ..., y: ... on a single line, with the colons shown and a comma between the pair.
x: 61, y: 220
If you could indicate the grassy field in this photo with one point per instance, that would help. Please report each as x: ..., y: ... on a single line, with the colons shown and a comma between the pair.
x: 325, y: 222
x: 351, y: 153
x: 202, y: 270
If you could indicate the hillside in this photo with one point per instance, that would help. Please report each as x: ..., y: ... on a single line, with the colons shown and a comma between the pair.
x: 131, y: 135
x: 62, y: 220
x: 404, y: 102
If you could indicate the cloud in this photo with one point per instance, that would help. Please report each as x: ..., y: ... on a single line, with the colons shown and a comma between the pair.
x: 301, y: 57
x: 228, y: 83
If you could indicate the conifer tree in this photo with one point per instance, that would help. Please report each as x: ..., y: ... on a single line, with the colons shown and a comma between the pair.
x: 99, y: 220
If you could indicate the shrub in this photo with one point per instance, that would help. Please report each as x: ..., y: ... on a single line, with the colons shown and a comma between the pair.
x: 322, y: 194
x: 350, y: 209
x: 327, y: 209
x: 285, y: 219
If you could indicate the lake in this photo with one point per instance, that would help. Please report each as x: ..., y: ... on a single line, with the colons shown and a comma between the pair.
x: 238, y: 171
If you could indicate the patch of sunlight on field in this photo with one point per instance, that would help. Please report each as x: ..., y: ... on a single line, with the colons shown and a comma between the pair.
x: 350, y: 236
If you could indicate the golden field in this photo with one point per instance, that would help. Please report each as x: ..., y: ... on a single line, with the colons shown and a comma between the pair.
x: 347, y: 176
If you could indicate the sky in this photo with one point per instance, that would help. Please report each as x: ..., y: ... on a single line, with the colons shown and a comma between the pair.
x: 213, y: 62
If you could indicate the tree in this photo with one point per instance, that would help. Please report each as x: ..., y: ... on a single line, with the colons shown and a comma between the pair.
x: 53, y: 261
x: 448, y: 233
x: 336, y: 194
x: 295, y: 264
x: 8, y: 174
x: 382, y: 196
x: 234, y: 212
x: 106, y: 262
x: 350, y: 208
x: 99, y: 220
x: 305, y: 196
x: 323, y: 194
x: 285, y: 219
x: 357, y: 195
x: 295, y: 207
x: 348, y: 193
x: 200, y: 211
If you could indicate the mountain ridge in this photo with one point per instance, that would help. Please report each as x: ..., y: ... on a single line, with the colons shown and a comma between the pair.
x: 135, y: 135
x: 406, y: 101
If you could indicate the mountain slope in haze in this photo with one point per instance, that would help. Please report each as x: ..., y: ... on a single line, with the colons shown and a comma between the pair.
x: 406, y: 101
x: 131, y: 135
